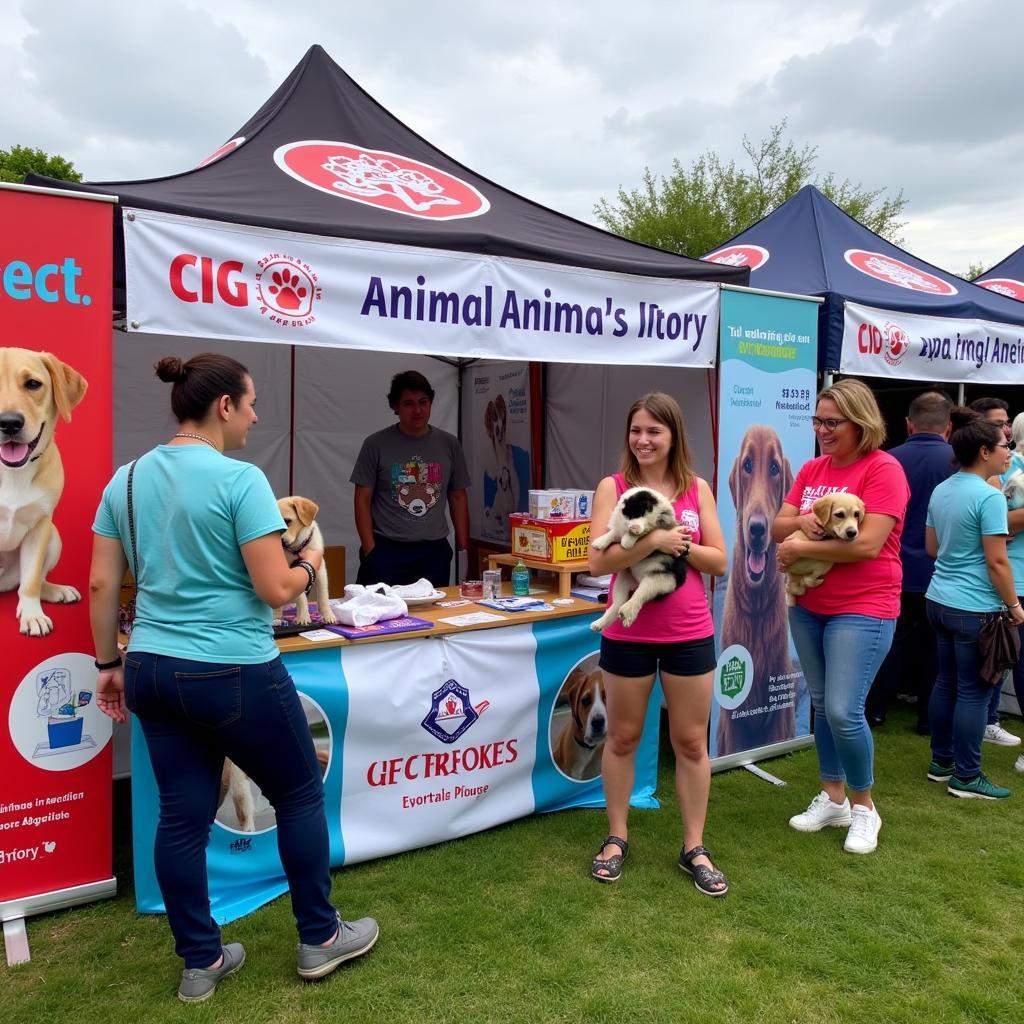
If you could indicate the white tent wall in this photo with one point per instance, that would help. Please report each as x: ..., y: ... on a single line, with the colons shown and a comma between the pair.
x: 586, y: 414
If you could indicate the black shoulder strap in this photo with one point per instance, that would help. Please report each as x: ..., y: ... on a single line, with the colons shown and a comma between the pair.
x: 131, y: 525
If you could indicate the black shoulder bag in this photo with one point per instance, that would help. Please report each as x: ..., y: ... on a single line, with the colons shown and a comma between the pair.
x: 126, y: 613
x: 998, y: 647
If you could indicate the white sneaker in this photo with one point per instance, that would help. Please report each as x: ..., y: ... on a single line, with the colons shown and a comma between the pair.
x: 995, y: 733
x: 822, y: 813
x: 1018, y: 765
x: 863, y: 834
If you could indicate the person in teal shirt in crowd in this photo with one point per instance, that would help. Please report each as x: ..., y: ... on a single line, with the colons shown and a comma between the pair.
x: 965, y: 533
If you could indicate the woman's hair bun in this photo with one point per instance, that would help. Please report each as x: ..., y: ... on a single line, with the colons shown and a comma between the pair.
x: 170, y: 369
x: 960, y: 416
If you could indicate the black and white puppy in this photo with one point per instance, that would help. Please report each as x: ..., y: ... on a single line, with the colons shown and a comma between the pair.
x: 639, y: 511
x: 301, y: 531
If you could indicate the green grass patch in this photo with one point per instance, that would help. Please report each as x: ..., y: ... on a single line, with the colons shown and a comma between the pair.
x: 508, y: 926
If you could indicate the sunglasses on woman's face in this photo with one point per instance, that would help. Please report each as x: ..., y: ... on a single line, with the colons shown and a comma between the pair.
x: 1006, y: 444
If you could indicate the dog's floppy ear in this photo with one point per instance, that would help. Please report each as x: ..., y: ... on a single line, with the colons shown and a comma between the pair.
x: 68, y: 384
x: 489, y: 415
x: 499, y: 407
x: 822, y: 509
x: 305, y: 509
x: 734, y: 476
x: 787, y: 476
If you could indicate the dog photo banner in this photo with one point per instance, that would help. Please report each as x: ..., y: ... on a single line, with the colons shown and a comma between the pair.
x: 55, y: 452
x: 206, y: 279
x: 766, y: 398
x: 909, y: 346
x: 420, y: 741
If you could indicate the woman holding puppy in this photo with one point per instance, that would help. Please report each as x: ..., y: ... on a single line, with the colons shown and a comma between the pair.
x: 844, y: 627
x: 966, y: 532
x: 672, y: 636
x: 202, y: 673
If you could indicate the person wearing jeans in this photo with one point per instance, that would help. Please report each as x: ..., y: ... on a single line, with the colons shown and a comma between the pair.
x: 843, y: 628
x: 202, y: 533
x: 965, y: 532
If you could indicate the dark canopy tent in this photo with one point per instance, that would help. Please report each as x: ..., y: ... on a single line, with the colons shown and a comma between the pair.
x: 803, y: 247
x: 1006, y: 277
x: 242, y: 185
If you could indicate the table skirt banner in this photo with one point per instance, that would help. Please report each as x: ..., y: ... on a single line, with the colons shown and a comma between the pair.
x: 420, y: 741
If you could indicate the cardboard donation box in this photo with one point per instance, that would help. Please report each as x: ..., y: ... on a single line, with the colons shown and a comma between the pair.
x: 550, y: 540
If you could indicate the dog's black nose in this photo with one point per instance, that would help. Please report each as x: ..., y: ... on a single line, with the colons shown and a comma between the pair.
x: 850, y: 534
x: 598, y: 723
x: 11, y: 423
x: 758, y: 528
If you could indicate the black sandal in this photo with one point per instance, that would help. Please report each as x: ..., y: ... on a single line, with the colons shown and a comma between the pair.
x: 613, y: 864
x: 704, y: 878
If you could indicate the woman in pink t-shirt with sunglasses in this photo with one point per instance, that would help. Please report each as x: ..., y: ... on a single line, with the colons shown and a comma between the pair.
x: 843, y: 629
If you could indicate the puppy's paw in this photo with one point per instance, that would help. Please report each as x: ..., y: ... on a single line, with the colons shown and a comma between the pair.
x: 32, y: 620
x: 628, y: 614
x: 328, y: 616
x: 598, y: 624
x: 56, y: 593
x: 303, y: 619
x: 602, y: 542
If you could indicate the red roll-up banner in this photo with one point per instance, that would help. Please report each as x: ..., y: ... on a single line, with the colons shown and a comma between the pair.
x: 55, y: 458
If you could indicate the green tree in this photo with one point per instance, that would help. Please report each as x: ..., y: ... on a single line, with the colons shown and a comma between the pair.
x: 18, y: 161
x: 697, y: 208
x: 973, y: 271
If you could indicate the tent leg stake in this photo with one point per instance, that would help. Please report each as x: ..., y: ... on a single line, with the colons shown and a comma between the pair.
x: 16, y: 942
x: 762, y: 774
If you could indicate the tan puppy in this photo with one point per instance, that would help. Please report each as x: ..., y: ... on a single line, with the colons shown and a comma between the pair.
x: 581, y: 742
x: 301, y: 531
x: 35, y: 388
x: 839, y: 514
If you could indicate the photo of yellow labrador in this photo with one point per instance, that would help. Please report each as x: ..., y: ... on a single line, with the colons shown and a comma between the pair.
x: 35, y: 388
x: 639, y: 511
x: 839, y: 514
x: 579, y: 724
x: 301, y: 532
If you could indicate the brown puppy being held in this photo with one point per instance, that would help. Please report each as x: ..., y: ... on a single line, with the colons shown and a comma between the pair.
x: 839, y: 514
x: 35, y: 388
x: 301, y: 532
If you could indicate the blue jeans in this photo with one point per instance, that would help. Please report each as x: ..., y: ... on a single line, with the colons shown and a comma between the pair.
x: 958, y: 709
x: 839, y: 655
x: 193, y: 715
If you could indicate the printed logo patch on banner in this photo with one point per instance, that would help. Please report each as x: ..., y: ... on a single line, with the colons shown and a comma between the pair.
x: 752, y: 256
x: 897, y: 343
x: 1004, y: 286
x: 451, y: 712
x: 373, y: 177
x: 894, y: 271
x: 286, y: 288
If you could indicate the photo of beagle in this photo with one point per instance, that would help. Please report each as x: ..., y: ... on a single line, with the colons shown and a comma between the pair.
x: 35, y: 389
x: 639, y: 511
x: 500, y: 465
x: 301, y: 531
x: 578, y: 743
x: 754, y: 614
x: 839, y: 514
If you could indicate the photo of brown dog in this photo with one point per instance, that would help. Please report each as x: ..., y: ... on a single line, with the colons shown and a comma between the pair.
x: 579, y: 722
x: 755, y: 602
x: 35, y: 389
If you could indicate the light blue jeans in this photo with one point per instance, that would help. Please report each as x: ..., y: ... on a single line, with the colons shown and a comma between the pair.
x: 839, y: 655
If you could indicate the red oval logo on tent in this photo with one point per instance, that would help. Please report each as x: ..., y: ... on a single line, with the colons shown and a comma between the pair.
x: 223, y: 151
x: 385, y: 180
x: 1004, y: 286
x: 894, y: 271
x: 752, y: 256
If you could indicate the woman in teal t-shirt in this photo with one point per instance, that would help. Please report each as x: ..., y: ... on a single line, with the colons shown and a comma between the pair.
x: 202, y: 673
x: 965, y: 533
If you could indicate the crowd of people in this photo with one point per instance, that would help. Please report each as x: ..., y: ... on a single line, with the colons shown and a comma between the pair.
x: 937, y: 552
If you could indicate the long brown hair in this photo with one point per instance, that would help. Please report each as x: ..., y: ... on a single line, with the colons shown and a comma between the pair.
x: 665, y: 409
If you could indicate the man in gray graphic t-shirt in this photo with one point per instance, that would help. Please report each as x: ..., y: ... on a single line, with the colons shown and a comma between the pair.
x: 406, y: 476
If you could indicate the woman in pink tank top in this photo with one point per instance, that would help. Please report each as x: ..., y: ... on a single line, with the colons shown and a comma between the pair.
x: 672, y: 637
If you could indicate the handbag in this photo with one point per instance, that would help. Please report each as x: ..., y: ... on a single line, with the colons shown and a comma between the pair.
x: 126, y: 613
x: 998, y: 647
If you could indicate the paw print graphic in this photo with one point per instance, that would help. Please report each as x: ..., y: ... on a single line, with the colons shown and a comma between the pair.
x: 287, y: 289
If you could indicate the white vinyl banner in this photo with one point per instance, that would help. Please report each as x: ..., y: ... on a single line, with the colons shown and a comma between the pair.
x: 908, y: 346
x: 208, y: 279
x: 437, y: 744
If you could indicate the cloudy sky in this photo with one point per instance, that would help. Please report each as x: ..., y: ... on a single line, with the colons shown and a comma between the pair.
x: 560, y: 100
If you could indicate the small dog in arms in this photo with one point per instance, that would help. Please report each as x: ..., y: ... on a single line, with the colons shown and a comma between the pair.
x: 639, y: 511
x: 839, y: 514
x: 301, y: 531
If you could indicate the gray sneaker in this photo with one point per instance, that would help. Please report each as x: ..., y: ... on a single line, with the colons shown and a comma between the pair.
x: 198, y: 984
x: 354, y: 939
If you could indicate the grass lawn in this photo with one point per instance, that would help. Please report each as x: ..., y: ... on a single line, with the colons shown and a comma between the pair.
x: 508, y: 925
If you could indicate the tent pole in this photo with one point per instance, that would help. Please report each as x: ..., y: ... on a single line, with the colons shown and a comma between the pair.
x: 961, y: 393
x: 291, y: 428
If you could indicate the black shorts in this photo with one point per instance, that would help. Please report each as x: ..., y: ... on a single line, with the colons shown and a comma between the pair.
x: 637, y: 658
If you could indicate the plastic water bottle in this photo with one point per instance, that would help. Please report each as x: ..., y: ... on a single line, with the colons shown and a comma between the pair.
x: 520, y: 579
